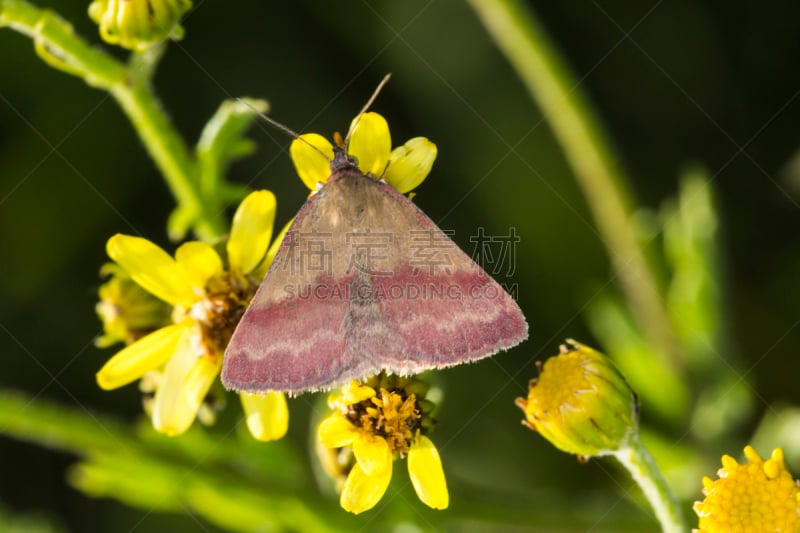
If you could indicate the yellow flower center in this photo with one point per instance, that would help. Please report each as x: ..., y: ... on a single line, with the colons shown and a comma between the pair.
x: 390, y: 414
x: 221, y: 309
x: 562, y: 380
x: 757, y: 496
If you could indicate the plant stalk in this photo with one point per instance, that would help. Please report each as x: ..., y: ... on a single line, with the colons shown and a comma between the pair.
x: 522, y: 39
x: 646, y: 474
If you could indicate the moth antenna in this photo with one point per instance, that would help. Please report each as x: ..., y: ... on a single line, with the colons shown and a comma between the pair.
x: 364, y: 109
x: 272, y: 122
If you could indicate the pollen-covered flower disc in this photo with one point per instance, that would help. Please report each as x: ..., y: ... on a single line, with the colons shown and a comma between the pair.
x: 373, y: 424
x: 758, y: 496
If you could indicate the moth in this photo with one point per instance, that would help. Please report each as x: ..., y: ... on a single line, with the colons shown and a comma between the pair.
x: 365, y: 282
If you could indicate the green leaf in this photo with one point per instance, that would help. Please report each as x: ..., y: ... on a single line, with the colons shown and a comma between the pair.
x: 222, y: 141
x: 696, y: 308
x: 660, y: 388
x: 230, y: 480
x: 55, y: 426
x: 158, y: 483
x: 690, y: 228
x: 131, y: 478
x: 180, y: 221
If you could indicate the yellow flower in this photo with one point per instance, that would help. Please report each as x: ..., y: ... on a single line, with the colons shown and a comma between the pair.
x: 581, y: 403
x: 373, y: 424
x: 138, y: 24
x: 208, y: 300
x: 759, y: 496
x: 404, y: 168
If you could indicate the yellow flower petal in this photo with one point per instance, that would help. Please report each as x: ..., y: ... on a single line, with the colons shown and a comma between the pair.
x: 410, y: 164
x: 370, y: 143
x: 200, y: 262
x: 200, y: 378
x: 425, y: 470
x: 263, y: 267
x: 267, y: 415
x: 312, y: 167
x: 187, y: 378
x: 336, y: 432
x: 151, y: 267
x: 148, y: 353
x: 361, y: 492
x: 356, y: 393
x: 372, y: 453
x: 251, y: 231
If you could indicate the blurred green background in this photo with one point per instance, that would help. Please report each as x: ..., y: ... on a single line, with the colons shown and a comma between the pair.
x: 675, y: 83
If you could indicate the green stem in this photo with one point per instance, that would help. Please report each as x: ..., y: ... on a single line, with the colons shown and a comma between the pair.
x: 169, y: 152
x: 646, y: 474
x: 519, y: 35
x: 56, y: 43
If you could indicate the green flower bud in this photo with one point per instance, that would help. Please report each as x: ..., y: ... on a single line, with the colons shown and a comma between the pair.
x: 128, y: 312
x: 138, y: 24
x: 581, y: 403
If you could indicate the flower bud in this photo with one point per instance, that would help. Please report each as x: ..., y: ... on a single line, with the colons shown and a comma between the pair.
x: 581, y: 403
x: 138, y: 24
x: 128, y: 312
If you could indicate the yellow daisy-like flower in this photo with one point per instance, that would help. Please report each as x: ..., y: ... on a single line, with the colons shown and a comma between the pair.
x: 371, y: 425
x: 183, y: 359
x: 758, y: 496
x: 581, y: 403
x: 404, y: 168
x: 138, y: 24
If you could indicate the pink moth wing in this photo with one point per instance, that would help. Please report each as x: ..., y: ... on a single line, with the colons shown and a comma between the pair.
x: 363, y: 282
